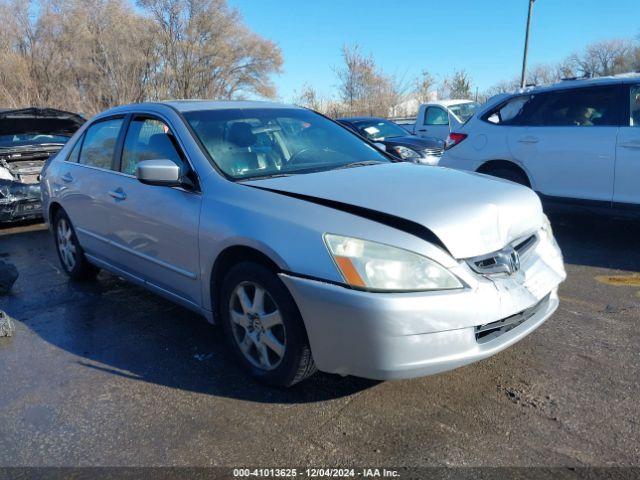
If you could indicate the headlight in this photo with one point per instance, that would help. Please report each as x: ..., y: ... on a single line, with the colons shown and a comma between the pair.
x: 548, y: 231
x: 407, y: 153
x: 5, y: 174
x: 375, y: 266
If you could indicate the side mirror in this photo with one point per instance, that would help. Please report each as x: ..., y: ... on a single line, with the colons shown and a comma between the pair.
x: 381, y: 146
x: 158, y: 172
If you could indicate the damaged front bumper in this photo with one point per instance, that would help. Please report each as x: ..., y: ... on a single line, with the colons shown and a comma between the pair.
x: 19, y: 201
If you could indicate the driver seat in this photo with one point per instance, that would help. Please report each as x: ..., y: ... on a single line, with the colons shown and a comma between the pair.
x: 242, y: 138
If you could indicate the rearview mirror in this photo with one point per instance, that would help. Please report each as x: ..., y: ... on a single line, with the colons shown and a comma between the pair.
x: 381, y: 146
x: 158, y: 172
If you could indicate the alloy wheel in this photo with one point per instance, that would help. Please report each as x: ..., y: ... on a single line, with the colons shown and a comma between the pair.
x: 66, y: 247
x: 258, y: 329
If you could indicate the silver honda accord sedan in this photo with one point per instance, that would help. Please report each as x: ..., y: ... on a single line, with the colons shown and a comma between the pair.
x: 311, y: 247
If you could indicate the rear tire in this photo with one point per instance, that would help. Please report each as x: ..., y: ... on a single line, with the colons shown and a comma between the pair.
x: 263, y: 326
x: 511, y: 174
x: 70, y: 253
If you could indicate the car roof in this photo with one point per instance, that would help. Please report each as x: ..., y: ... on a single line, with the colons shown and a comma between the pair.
x: 633, y: 77
x: 197, y: 105
x: 450, y: 102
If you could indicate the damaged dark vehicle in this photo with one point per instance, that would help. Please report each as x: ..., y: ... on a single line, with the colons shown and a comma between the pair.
x: 28, y: 138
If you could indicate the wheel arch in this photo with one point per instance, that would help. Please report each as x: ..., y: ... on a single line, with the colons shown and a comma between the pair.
x: 489, y: 165
x: 54, y: 208
x: 226, y: 259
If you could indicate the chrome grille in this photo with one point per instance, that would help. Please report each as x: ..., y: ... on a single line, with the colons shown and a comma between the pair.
x: 434, y: 152
x: 503, y: 261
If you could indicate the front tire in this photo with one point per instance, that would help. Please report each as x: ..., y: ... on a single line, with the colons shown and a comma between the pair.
x: 263, y: 326
x: 69, y: 250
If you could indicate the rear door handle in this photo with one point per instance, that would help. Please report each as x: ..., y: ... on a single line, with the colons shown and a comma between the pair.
x: 118, y: 194
x: 529, y: 140
x: 632, y: 144
x: 67, y: 177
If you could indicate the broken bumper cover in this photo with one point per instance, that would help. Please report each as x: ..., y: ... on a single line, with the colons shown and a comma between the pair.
x: 404, y: 335
x: 19, y: 201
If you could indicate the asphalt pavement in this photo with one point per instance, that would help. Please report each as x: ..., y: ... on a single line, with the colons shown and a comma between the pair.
x: 104, y: 373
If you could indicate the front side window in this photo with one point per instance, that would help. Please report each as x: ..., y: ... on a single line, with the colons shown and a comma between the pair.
x: 99, y: 143
x: 149, y: 139
x: 436, y: 116
x: 583, y: 107
x: 634, y: 106
x: 379, y: 129
x: 249, y: 143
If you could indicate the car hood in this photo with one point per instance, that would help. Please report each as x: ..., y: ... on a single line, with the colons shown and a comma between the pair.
x: 471, y: 214
x: 45, y: 121
x: 415, y: 142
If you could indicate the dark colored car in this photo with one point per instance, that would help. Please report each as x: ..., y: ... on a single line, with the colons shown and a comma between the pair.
x: 28, y: 138
x: 396, y: 140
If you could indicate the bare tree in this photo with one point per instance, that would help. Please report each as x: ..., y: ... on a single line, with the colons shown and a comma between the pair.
x: 206, y: 51
x: 457, y: 85
x: 603, y: 58
x: 423, y: 86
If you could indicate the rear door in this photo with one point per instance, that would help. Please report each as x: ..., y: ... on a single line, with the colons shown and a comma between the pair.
x: 566, y: 141
x: 155, y: 228
x: 86, y: 177
x: 433, y: 123
x: 627, y: 182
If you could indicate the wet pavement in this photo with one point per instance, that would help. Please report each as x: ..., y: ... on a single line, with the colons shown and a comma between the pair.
x: 105, y: 373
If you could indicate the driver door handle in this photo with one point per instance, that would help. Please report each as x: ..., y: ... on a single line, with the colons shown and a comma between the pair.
x: 529, y: 140
x: 635, y: 144
x: 118, y: 194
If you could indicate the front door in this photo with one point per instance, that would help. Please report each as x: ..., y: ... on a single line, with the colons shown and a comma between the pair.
x: 155, y: 228
x: 627, y: 184
x: 434, y: 123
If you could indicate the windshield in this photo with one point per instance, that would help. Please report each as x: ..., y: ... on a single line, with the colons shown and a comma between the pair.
x: 21, y: 140
x: 250, y: 143
x: 379, y: 129
x: 464, y: 111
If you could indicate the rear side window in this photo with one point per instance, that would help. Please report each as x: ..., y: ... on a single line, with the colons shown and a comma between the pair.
x: 583, y: 107
x: 508, y: 112
x: 634, y: 106
x: 99, y: 143
x: 149, y: 139
x: 436, y: 116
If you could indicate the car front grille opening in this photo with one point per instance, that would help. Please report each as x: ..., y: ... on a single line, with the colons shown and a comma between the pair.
x: 490, y: 331
x: 434, y: 152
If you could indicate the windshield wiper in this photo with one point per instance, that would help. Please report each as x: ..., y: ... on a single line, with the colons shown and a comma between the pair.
x: 358, y: 164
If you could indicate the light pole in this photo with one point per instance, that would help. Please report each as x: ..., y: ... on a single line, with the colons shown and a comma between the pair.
x: 526, y: 46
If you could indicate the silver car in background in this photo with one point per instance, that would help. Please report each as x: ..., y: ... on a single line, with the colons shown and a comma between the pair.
x: 311, y: 247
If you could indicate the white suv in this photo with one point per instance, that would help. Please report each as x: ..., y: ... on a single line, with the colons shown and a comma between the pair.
x: 575, y: 143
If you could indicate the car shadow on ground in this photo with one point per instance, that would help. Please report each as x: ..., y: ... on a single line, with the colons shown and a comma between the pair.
x: 597, y: 241
x: 115, y: 327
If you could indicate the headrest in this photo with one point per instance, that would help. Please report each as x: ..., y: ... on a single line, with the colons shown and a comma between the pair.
x: 241, y: 135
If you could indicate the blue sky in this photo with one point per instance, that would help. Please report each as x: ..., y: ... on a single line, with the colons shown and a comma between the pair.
x: 485, y: 37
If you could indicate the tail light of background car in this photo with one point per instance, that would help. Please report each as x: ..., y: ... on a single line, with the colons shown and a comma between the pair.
x: 454, y: 139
